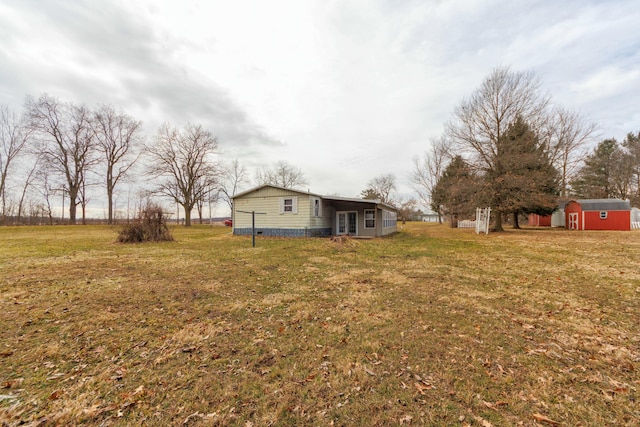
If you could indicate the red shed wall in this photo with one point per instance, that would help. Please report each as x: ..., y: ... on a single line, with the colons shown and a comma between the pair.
x: 616, y: 220
x: 539, y: 220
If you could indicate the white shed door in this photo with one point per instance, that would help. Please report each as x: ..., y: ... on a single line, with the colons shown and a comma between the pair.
x: 573, y: 221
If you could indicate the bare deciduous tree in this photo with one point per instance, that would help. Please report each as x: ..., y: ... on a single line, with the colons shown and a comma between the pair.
x: 480, y: 122
x: 31, y: 177
x: 67, y: 143
x: 282, y: 174
x: 406, y: 208
x: 182, y: 164
x: 118, y: 136
x: 13, y: 139
x: 381, y: 188
x: 235, y: 177
x: 47, y: 191
x: 428, y: 170
x: 567, y: 135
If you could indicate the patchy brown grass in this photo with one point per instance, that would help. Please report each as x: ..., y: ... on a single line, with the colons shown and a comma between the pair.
x: 431, y: 326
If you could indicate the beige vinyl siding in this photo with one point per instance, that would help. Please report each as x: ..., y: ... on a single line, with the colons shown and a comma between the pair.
x: 326, y: 213
x: 268, y: 200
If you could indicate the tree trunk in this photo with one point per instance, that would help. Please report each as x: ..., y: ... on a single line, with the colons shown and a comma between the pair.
x: 498, y: 226
x: 72, y: 211
x: 516, y: 224
x: 187, y: 216
x: 110, y: 202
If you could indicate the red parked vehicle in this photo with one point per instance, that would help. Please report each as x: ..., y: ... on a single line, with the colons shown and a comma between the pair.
x: 228, y: 222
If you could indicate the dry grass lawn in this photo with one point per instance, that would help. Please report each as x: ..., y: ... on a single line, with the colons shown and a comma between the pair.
x: 431, y: 326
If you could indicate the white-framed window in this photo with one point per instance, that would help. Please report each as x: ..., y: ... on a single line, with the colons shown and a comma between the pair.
x: 317, y: 207
x: 288, y: 205
x: 389, y: 219
x: 603, y: 214
x: 369, y: 218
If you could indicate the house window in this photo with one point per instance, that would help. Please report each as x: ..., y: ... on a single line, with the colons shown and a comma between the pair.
x: 369, y: 218
x: 603, y: 214
x: 316, y: 207
x: 289, y: 205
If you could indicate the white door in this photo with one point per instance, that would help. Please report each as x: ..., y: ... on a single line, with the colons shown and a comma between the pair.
x: 346, y: 223
x: 573, y: 221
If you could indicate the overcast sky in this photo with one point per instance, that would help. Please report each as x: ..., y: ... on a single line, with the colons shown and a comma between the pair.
x: 345, y: 90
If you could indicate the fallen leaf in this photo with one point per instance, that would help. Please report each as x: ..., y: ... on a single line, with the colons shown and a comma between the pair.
x: 483, y: 422
x: 541, y: 418
x: 192, y: 417
x: 421, y: 387
x: 494, y: 406
x: 369, y: 371
x: 12, y: 383
x: 406, y: 419
x: 139, y: 390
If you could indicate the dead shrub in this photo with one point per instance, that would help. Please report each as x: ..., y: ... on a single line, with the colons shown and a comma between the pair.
x: 150, y: 226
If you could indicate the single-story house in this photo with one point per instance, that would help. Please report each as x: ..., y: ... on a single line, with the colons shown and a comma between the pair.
x: 293, y: 213
x: 598, y: 214
x: 430, y: 217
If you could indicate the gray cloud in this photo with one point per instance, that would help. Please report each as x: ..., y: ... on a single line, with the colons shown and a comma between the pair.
x: 112, y: 56
x: 344, y: 90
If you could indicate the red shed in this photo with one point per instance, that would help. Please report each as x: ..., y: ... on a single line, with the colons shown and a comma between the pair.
x: 539, y: 220
x: 598, y: 214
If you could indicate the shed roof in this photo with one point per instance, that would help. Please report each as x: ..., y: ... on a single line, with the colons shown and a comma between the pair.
x: 604, y: 204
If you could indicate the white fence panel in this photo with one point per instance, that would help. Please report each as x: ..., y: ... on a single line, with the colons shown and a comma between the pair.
x: 483, y: 216
x: 467, y: 223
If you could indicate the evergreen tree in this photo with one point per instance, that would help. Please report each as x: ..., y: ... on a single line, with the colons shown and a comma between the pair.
x: 522, y: 179
x: 632, y: 145
x: 607, y: 172
x: 454, y: 192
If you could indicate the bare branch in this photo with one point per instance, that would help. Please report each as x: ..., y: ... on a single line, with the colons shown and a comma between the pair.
x: 67, y: 143
x: 118, y: 136
x: 14, y: 136
x: 428, y: 169
x: 282, y: 174
x: 182, y: 165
